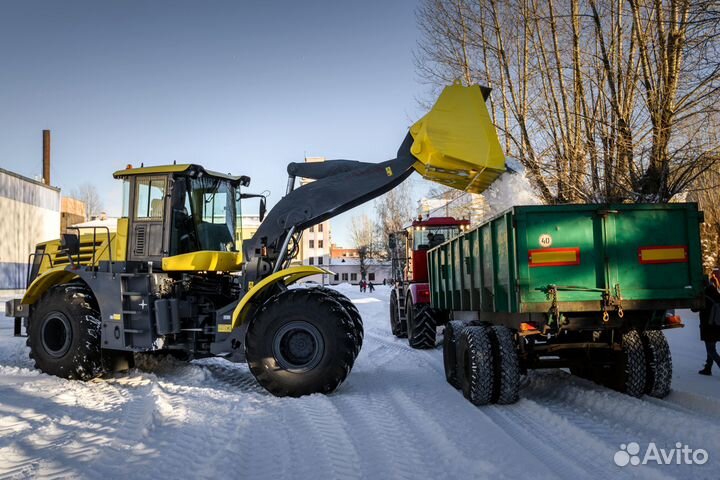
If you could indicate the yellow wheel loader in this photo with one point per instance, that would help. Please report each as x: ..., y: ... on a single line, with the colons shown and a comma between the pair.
x: 171, y: 278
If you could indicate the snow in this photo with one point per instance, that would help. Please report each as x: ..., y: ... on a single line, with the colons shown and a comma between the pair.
x: 510, y: 189
x: 395, y: 417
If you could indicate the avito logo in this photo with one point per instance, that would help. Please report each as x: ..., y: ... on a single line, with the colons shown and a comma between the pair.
x: 680, y: 455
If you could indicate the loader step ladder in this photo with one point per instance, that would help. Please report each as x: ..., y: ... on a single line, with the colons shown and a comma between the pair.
x: 136, y: 310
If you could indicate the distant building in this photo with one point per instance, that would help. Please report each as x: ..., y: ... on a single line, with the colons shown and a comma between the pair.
x: 31, y: 214
x: 246, y: 227
x: 347, y: 270
x: 339, y: 252
x: 72, y: 211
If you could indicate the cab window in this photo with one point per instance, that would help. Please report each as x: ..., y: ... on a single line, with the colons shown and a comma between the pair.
x: 150, y: 198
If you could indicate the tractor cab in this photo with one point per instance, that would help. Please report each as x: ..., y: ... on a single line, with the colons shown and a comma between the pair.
x: 421, y: 236
x: 178, y: 209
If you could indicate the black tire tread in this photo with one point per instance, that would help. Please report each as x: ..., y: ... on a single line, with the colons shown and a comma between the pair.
x: 422, y: 330
x: 658, y: 363
x: 508, y: 365
x: 353, y: 312
x: 451, y: 335
x: 634, y: 370
x: 478, y: 377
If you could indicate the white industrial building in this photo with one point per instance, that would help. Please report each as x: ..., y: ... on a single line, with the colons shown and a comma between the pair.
x: 347, y: 270
x: 31, y: 214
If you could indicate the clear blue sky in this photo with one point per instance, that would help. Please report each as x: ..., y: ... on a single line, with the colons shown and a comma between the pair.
x: 237, y: 86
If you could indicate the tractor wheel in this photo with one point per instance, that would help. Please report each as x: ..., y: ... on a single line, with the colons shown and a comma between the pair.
x: 64, y: 333
x: 475, y: 351
x: 354, y: 313
x: 398, y: 328
x: 507, y: 364
x: 452, y: 332
x: 632, y: 360
x: 300, y: 342
x: 421, y: 328
x: 658, y: 363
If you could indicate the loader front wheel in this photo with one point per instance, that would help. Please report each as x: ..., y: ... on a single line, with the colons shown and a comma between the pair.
x: 301, y: 342
x: 64, y: 333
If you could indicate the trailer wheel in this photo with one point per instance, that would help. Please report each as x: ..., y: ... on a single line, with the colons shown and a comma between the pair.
x: 633, y: 364
x: 354, y: 314
x: 451, y: 335
x: 658, y: 363
x: 476, y: 354
x: 64, y: 333
x: 398, y: 328
x: 421, y: 326
x: 300, y: 342
x: 507, y: 365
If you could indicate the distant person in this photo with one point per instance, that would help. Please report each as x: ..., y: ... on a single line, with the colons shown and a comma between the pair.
x: 371, y: 286
x: 710, y: 323
x: 384, y: 281
x: 361, y: 286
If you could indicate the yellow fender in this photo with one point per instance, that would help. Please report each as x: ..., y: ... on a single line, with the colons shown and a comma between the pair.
x: 287, y: 276
x: 43, y: 282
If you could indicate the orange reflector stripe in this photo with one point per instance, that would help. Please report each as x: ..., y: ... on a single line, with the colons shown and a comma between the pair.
x: 670, y: 254
x: 554, y: 257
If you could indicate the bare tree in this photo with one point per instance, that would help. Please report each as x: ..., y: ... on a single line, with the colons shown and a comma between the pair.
x: 88, y: 194
x: 394, y: 211
x: 600, y: 101
x: 364, y: 239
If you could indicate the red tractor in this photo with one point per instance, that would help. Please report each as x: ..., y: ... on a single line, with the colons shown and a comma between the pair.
x: 411, y: 315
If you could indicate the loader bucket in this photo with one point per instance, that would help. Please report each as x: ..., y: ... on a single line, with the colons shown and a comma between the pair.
x: 456, y: 144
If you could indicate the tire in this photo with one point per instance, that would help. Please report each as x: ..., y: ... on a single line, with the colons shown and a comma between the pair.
x: 421, y: 328
x: 476, y: 354
x: 300, y: 342
x: 354, y: 313
x: 507, y: 365
x: 398, y: 328
x: 633, y: 362
x: 64, y: 333
x: 658, y: 363
x: 453, y: 329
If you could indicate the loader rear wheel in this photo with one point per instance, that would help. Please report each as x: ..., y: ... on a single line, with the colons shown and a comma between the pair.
x: 301, y: 341
x: 64, y: 333
x: 451, y: 335
x: 398, y: 328
x: 421, y: 326
x: 658, y: 363
x: 475, y: 351
x: 507, y: 365
x: 354, y: 313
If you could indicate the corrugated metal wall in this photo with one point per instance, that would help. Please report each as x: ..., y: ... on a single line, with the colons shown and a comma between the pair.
x: 29, y: 214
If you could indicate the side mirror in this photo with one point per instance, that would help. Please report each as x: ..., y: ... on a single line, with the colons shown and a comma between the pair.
x: 263, y: 208
x: 70, y: 243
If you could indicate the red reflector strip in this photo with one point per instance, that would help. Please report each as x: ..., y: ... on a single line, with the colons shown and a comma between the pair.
x: 554, y: 257
x: 669, y: 254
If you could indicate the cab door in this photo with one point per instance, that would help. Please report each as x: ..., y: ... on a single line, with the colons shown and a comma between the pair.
x: 149, y: 205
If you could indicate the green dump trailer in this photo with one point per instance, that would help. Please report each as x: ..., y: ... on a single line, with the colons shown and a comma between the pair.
x: 584, y: 287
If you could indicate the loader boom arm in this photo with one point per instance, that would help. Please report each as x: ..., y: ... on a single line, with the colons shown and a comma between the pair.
x: 339, y: 186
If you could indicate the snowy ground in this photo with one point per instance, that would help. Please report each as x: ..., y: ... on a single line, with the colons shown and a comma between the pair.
x: 395, y: 417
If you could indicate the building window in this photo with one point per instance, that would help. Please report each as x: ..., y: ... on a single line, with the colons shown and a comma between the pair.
x: 320, y: 228
x: 312, y: 229
x: 371, y: 276
x: 344, y: 277
x: 320, y: 244
x: 320, y: 260
x: 311, y: 261
x: 336, y: 277
x: 311, y: 243
x: 353, y: 277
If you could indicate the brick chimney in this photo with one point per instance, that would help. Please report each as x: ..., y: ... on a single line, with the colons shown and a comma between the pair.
x: 46, y: 157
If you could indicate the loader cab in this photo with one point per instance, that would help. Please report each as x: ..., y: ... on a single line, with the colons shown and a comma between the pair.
x: 178, y: 209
